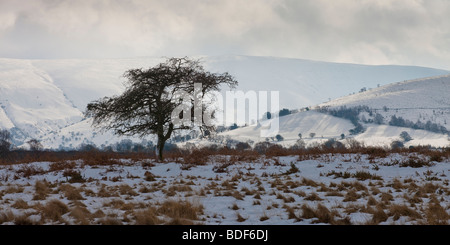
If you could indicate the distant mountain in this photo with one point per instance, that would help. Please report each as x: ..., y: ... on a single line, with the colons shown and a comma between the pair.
x: 45, y: 99
x: 317, y: 128
x: 421, y: 107
x: 425, y: 99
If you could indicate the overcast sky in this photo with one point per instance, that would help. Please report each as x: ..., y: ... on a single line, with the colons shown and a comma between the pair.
x: 405, y: 32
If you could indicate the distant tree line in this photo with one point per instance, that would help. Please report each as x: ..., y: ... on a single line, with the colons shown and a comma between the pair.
x: 429, y: 126
x: 352, y: 114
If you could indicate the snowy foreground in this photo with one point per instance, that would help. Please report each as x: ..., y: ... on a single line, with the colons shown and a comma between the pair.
x: 399, y: 189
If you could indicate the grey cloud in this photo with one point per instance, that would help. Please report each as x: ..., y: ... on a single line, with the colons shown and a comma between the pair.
x: 371, y: 32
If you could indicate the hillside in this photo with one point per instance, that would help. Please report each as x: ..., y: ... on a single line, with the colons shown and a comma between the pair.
x: 327, y: 127
x: 425, y: 99
x: 45, y: 99
x: 421, y: 102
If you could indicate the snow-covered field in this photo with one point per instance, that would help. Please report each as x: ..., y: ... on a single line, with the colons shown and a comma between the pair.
x: 398, y: 188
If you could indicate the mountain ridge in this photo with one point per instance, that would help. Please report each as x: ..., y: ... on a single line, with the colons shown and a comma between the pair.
x: 41, y: 98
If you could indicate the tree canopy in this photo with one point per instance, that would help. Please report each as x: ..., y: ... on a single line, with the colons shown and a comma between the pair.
x: 151, y: 95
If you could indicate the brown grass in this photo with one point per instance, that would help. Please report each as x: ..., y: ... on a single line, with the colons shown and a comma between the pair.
x: 378, y: 216
x: 28, y: 170
x: 110, y: 221
x: 398, y: 210
x: 54, y: 210
x: 197, y: 157
x: 180, y: 210
x: 148, y: 216
x: 435, y: 214
x: 127, y: 190
x: 321, y: 213
x: 313, y: 197
x: 20, y: 204
x: 264, y: 218
x: 70, y: 192
x: 6, y: 216
x: 42, y: 190
x: 13, y: 189
x: 24, y: 219
x: 239, y: 218
x: 81, y: 215
x: 351, y: 196
x: 62, y: 165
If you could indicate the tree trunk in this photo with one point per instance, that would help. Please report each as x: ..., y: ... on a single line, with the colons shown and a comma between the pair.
x: 162, y: 141
x: 159, y: 149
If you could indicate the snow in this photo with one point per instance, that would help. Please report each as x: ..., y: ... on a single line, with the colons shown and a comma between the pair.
x: 269, y: 177
x: 419, y: 99
x: 378, y: 135
x: 327, y: 127
x: 41, y: 98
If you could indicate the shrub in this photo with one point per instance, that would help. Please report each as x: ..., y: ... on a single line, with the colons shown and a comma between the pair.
x: 332, y: 144
x: 73, y: 176
x: 416, y: 163
x: 279, y: 137
x: 396, y: 144
x: 261, y: 147
x: 405, y: 136
x: 28, y: 170
x: 276, y: 150
x: 62, y: 165
x: 242, y: 146
x: 292, y: 170
x: 363, y: 175
x: 375, y: 152
x: 197, y: 157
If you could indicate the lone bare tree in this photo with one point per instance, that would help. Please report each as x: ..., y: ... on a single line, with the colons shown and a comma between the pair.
x: 147, y: 104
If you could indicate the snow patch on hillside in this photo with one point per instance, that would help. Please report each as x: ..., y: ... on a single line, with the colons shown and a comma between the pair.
x: 45, y: 99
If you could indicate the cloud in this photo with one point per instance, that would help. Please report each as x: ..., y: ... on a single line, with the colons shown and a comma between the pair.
x: 370, y: 31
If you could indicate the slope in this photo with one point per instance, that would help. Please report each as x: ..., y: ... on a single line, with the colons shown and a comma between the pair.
x: 30, y: 101
x: 40, y: 98
x: 425, y: 99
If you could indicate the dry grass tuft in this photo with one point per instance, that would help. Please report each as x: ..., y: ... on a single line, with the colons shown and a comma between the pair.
x: 180, y: 210
x: 125, y: 189
x: 378, y: 216
x: 110, y: 221
x: 70, y: 192
x: 321, y: 214
x: 62, y: 165
x: 398, y: 210
x: 6, y: 216
x: 240, y: 218
x: 54, y: 210
x: 42, y: 190
x: 435, y: 214
x: 28, y: 170
x: 20, y: 204
x: 148, y: 216
x: 81, y: 215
